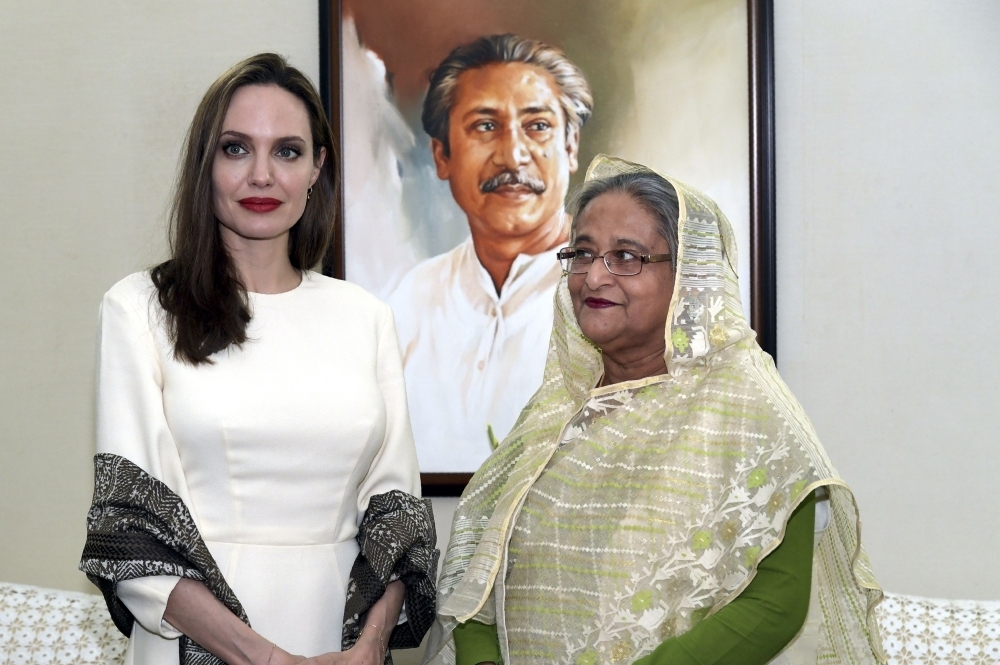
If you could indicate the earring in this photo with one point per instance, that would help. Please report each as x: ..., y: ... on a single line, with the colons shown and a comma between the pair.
x: 309, y: 193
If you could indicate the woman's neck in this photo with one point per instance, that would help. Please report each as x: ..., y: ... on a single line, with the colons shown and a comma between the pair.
x: 619, y: 370
x: 262, y: 264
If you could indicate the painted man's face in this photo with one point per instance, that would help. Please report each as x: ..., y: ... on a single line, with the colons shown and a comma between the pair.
x: 510, y: 158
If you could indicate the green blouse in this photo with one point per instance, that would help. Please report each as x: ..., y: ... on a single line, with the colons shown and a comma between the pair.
x: 750, y: 630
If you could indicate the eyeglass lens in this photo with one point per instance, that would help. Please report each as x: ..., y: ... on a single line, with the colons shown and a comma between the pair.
x: 618, y: 263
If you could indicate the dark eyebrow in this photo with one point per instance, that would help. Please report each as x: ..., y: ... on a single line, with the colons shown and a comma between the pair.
x: 481, y: 110
x: 630, y: 241
x: 536, y: 109
x: 248, y: 139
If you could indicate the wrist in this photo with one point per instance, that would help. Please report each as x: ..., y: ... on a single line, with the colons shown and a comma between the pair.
x: 282, y: 657
x: 374, y: 634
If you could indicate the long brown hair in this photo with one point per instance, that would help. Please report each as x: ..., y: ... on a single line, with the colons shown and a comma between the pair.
x: 206, y: 304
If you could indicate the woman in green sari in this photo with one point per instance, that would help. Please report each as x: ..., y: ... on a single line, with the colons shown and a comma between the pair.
x: 663, y: 498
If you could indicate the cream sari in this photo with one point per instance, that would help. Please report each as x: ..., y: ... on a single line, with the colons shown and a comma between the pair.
x: 635, y: 511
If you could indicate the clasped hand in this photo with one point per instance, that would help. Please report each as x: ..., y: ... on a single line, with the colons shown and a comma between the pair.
x: 367, y: 651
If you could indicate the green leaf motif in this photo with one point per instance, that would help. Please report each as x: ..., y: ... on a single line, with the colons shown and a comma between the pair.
x: 750, y: 555
x: 680, y: 340
x: 641, y: 601
x: 588, y: 657
x: 701, y: 540
x: 757, y: 477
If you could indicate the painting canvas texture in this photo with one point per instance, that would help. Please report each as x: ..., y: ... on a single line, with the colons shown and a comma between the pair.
x: 458, y: 228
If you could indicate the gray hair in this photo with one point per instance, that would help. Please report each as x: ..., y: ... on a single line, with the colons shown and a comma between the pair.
x: 574, y: 93
x: 647, y: 188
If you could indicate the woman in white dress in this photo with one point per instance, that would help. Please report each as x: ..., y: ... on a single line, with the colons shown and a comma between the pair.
x: 256, y: 485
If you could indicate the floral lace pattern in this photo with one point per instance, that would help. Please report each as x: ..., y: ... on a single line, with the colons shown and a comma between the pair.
x: 922, y: 631
x: 50, y: 627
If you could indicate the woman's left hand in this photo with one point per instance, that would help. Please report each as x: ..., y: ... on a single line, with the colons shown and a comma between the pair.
x: 367, y: 651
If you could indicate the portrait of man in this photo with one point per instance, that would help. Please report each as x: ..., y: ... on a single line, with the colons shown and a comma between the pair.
x: 504, y: 114
x: 465, y: 127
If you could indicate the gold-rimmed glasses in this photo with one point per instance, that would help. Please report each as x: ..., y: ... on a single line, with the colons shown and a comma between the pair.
x: 621, y: 262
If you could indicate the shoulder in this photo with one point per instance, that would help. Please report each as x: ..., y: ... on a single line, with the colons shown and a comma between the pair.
x: 134, y: 294
x: 130, y: 288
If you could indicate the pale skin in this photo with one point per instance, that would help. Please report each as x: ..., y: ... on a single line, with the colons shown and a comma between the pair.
x: 266, y: 152
x: 507, y: 117
x: 624, y: 316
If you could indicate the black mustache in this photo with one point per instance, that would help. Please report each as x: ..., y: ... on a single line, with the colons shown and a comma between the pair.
x: 512, y: 178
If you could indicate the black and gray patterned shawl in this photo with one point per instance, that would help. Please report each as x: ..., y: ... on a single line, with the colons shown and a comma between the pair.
x: 397, y: 539
x: 138, y: 527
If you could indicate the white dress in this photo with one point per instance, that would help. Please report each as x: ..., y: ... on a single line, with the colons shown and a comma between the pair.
x: 276, y: 449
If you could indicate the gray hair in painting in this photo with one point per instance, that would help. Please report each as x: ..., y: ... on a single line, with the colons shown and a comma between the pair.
x: 647, y: 188
x: 574, y: 92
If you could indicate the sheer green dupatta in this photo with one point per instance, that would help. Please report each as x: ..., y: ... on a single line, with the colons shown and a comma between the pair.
x: 639, y: 480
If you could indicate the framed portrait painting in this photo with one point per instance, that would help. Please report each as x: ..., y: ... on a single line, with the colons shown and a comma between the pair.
x: 463, y: 126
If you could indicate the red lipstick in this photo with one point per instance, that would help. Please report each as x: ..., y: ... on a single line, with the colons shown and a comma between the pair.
x: 259, y: 204
x: 598, y: 303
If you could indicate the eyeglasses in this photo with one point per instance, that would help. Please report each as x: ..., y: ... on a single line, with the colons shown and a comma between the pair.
x: 621, y: 262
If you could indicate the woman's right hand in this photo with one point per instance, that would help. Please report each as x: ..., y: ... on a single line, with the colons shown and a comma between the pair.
x: 282, y: 657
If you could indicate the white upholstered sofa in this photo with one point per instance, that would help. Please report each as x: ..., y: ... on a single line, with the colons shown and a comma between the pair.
x: 45, y: 626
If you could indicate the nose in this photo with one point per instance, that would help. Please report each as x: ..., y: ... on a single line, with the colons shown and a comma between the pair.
x: 260, y: 171
x: 598, y: 275
x: 514, y: 151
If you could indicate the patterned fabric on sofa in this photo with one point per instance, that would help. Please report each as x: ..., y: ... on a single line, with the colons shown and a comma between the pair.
x: 919, y: 631
x: 47, y: 627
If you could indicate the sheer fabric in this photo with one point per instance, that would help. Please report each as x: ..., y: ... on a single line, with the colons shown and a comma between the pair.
x: 659, y: 513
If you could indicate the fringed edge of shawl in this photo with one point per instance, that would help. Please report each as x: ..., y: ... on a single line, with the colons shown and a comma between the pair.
x: 397, y: 538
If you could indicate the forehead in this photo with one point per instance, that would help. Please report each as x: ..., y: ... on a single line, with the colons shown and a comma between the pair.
x: 266, y: 109
x: 504, y: 85
x: 616, y: 216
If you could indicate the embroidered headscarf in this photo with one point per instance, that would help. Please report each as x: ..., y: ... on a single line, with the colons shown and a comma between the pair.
x: 660, y: 511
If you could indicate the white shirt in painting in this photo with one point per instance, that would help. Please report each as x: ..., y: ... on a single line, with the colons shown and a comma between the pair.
x: 471, y: 357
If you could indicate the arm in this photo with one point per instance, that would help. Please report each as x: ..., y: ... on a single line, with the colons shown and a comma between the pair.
x: 395, y: 464
x: 195, y: 612
x: 763, y: 619
x: 393, y: 469
x: 477, y: 643
x: 131, y: 423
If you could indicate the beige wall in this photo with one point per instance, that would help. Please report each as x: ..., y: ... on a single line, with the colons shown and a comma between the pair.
x: 889, y: 271
x: 95, y: 98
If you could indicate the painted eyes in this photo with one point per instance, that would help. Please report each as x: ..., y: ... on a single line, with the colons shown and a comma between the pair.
x: 288, y: 152
x: 534, y: 126
x: 234, y: 149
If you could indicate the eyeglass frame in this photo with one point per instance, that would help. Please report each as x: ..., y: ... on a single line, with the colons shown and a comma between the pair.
x: 643, y: 258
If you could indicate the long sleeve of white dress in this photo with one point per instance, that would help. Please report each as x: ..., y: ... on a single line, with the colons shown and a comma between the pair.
x: 131, y: 423
x: 276, y: 448
x: 395, y: 464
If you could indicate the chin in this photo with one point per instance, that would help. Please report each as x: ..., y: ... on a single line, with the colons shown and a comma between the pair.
x: 598, y: 336
x: 260, y: 231
x: 521, y: 223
